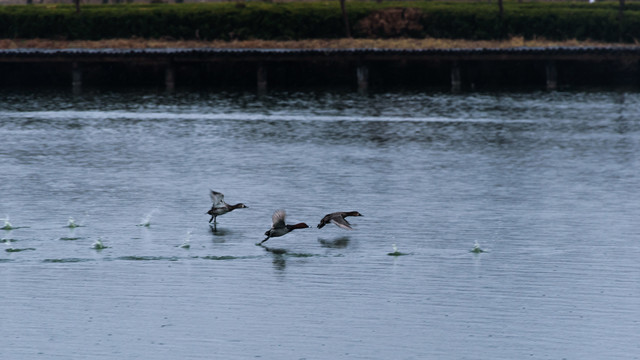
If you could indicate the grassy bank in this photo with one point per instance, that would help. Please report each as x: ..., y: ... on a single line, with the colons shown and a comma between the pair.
x: 323, y: 20
x: 400, y: 43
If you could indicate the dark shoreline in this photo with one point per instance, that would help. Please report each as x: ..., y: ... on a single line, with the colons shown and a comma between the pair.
x: 458, y: 68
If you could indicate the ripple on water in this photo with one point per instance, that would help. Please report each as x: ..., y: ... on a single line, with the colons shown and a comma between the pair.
x: 70, y: 238
x: 148, y: 258
x: 301, y: 255
x: 12, y: 250
x: 225, y: 257
x: 66, y: 260
x: 398, y: 253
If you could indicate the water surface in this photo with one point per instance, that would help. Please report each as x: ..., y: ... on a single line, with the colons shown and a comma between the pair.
x: 546, y: 184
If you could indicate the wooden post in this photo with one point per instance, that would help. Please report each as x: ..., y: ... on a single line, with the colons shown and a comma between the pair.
x: 456, y: 83
x: 262, y: 78
x: 362, y: 72
x: 620, y: 21
x: 345, y: 17
x: 169, y: 77
x: 76, y: 77
x: 552, y: 75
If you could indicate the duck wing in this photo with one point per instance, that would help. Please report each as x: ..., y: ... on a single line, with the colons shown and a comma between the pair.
x: 217, y: 199
x: 278, y: 219
x: 340, y: 222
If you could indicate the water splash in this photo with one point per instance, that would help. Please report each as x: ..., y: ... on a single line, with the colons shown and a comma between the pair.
x: 396, y: 252
x: 146, y: 220
x: 98, y: 245
x: 476, y: 248
x: 72, y: 223
x: 7, y: 224
x: 7, y: 242
x: 186, y: 244
x: 9, y: 247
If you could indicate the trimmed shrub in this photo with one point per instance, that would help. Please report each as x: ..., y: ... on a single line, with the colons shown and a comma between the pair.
x: 308, y: 20
x: 392, y: 22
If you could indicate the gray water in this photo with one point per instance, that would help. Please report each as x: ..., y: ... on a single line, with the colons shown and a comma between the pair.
x: 545, y: 185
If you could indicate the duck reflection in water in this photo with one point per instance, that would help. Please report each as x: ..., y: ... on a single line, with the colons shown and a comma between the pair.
x: 279, y: 260
x: 218, y: 232
x: 275, y: 251
x: 337, y: 243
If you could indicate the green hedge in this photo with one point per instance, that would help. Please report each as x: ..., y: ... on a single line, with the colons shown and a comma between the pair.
x: 474, y: 20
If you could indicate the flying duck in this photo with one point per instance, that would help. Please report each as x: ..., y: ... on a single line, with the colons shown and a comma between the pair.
x: 279, y: 227
x: 220, y: 207
x: 338, y: 218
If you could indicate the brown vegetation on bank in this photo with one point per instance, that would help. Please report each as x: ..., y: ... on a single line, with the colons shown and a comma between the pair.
x: 297, y: 44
